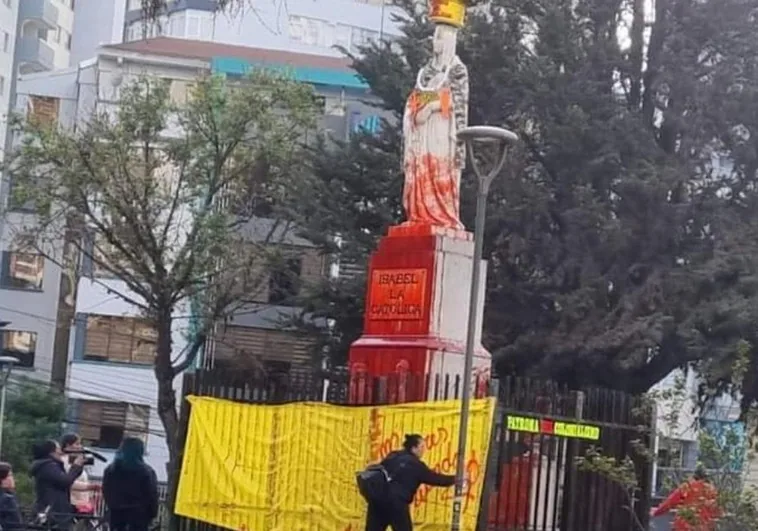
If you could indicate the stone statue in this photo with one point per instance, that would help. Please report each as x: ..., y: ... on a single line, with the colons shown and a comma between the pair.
x: 432, y: 157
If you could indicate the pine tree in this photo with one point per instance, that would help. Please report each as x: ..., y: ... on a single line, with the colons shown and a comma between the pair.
x: 619, y: 237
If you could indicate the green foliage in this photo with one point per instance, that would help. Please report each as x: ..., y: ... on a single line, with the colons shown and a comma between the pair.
x: 168, y: 198
x: 620, y: 236
x: 33, y: 414
x: 721, y: 457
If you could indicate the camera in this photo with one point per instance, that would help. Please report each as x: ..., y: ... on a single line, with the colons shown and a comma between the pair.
x: 89, y: 456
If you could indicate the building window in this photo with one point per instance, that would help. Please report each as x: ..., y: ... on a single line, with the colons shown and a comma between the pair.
x: 120, y: 339
x: 362, y: 37
x: 342, y: 36
x: 133, y: 33
x: 306, y: 30
x: 20, y: 345
x: 107, y: 260
x: 179, y: 91
x: 670, y: 453
x: 2, y: 85
x: 43, y: 110
x: 284, y: 283
x: 6, y: 42
x: 206, y: 28
x: 193, y: 26
x: 297, y: 28
x: 22, y: 270
x: 178, y: 24
x: 105, y: 424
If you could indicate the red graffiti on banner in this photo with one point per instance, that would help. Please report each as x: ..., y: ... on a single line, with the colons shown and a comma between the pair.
x: 382, y: 446
x: 447, y: 465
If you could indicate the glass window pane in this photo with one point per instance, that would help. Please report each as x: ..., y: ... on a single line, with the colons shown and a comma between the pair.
x: 105, y: 424
x: 19, y: 344
x: 22, y: 270
x: 120, y: 339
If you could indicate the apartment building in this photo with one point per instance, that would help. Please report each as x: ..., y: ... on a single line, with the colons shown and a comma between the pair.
x: 302, y: 26
x: 35, y: 36
x: 258, y: 335
x: 109, y: 378
x: 679, y: 424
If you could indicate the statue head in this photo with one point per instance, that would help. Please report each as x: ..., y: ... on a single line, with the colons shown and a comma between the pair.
x: 443, y: 44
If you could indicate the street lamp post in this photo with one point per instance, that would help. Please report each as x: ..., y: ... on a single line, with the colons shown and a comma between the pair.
x: 6, y: 366
x: 471, y: 136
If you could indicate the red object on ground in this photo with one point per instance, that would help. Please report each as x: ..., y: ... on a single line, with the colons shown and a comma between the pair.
x: 696, y: 497
x: 509, y: 505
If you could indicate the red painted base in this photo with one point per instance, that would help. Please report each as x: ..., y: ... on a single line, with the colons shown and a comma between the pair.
x: 404, y: 334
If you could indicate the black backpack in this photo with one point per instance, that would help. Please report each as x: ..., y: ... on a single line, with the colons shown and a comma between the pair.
x: 373, y: 483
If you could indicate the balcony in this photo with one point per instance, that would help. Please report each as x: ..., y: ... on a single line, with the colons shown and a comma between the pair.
x: 34, y: 55
x: 41, y: 13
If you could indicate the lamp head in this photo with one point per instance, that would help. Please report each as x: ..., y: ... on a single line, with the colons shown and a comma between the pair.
x: 486, y: 134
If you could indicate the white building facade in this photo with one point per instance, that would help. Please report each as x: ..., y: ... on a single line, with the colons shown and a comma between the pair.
x: 301, y: 26
x: 35, y: 36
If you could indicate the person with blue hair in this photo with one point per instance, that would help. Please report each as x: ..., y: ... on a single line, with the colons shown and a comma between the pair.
x: 130, y: 488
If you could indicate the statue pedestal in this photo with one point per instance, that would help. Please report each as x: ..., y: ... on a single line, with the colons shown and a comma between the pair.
x: 416, y: 316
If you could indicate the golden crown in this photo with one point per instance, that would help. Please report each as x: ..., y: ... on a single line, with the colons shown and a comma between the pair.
x: 451, y: 12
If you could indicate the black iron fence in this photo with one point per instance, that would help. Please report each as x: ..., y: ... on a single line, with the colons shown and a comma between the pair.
x: 541, y: 430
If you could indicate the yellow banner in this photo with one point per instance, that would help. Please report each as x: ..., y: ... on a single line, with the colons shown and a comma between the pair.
x: 292, y: 467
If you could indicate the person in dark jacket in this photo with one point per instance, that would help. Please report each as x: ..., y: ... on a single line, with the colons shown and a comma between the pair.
x: 130, y: 488
x: 10, y: 515
x: 52, y: 483
x: 407, y: 472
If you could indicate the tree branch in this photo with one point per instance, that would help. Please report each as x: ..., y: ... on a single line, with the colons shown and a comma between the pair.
x: 191, y: 356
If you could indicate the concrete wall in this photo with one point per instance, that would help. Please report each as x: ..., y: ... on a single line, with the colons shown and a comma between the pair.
x: 96, y: 23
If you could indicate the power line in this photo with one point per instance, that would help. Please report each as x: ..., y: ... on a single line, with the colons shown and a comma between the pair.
x: 87, y: 422
x: 261, y: 307
x: 95, y: 392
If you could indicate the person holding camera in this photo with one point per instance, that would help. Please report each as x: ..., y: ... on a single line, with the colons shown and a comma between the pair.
x: 82, y: 489
x: 52, y: 483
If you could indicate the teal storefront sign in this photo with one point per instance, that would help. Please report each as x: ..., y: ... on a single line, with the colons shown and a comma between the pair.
x: 316, y: 76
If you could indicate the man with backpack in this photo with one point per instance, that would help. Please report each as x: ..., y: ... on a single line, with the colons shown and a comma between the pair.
x: 389, y: 487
